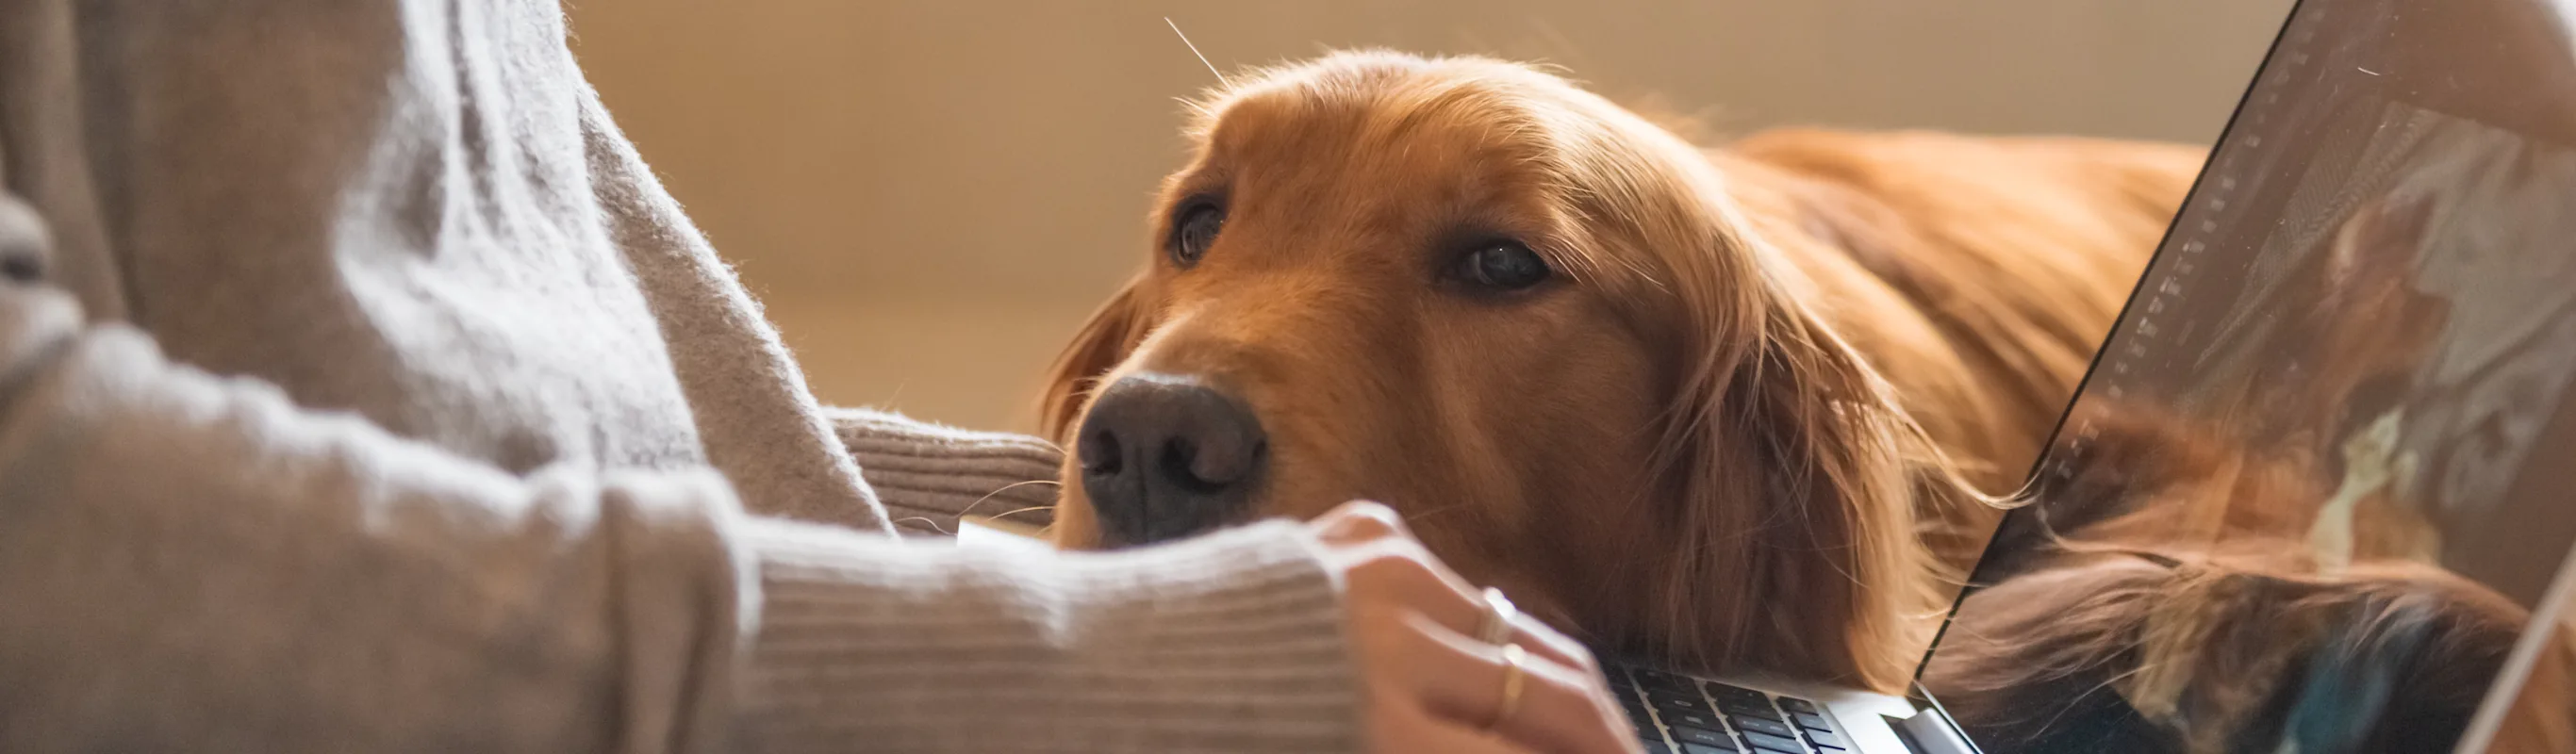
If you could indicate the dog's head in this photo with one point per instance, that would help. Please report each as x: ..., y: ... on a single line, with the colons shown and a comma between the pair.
x: 1531, y: 321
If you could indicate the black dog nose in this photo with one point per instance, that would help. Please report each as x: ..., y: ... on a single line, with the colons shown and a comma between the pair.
x: 1166, y: 457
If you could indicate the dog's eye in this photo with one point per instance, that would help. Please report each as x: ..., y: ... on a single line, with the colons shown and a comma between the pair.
x: 1195, y: 231
x: 1504, y: 266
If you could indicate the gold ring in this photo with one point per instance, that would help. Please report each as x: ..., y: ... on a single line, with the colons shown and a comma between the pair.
x: 1499, y: 613
x: 1515, y: 676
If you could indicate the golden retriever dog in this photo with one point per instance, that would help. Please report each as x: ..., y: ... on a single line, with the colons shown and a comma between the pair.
x: 1734, y: 404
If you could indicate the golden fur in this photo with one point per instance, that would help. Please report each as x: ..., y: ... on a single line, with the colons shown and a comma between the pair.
x: 1746, y: 424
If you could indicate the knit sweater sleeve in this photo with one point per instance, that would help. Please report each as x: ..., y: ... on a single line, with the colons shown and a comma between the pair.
x: 193, y: 562
x: 1222, y: 644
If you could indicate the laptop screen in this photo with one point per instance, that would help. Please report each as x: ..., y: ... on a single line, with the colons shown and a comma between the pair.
x: 2324, y: 469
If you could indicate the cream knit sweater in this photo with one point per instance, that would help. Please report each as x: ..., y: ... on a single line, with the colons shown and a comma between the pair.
x: 362, y: 391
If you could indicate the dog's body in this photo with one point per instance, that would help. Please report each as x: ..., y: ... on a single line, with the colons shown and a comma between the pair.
x: 1732, y: 405
x: 1978, y: 275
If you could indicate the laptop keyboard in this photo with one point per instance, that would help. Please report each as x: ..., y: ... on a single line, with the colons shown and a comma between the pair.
x: 1680, y: 715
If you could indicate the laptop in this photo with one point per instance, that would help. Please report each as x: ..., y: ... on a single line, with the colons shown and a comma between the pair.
x: 2373, y: 286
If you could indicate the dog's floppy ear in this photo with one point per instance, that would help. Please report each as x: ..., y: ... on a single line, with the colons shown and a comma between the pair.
x: 1112, y: 333
x: 1797, y: 479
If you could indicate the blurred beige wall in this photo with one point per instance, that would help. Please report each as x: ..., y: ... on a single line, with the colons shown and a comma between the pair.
x: 931, y: 194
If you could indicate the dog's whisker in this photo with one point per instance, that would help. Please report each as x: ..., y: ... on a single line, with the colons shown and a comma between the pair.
x: 1194, y: 50
x: 970, y: 507
x: 925, y: 521
x: 1018, y: 511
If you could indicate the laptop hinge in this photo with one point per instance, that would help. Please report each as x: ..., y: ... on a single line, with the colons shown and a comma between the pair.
x: 1929, y: 733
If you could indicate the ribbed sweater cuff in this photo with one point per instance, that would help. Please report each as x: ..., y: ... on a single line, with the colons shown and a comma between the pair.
x: 1232, y: 642
x: 928, y: 475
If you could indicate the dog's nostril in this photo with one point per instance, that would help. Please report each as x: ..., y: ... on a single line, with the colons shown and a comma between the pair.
x: 1100, y: 454
x: 1179, y: 458
x: 1204, y: 469
x: 1217, y: 464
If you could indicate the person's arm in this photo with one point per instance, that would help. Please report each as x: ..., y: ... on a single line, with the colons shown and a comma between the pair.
x: 1233, y: 642
x: 193, y: 562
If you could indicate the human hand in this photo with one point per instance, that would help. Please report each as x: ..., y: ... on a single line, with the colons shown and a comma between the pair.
x: 1431, y: 684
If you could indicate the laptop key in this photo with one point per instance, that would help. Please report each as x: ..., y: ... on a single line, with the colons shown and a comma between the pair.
x: 1772, y: 727
x: 1690, y: 735
x: 1634, y: 707
x: 1749, y: 709
x: 1656, y: 679
x: 1768, y: 742
x: 1729, y: 748
x: 1795, y: 704
x: 1656, y: 745
x: 1729, y: 691
x: 1702, y: 720
x: 1811, y: 721
x: 1671, y: 701
x: 1823, y: 739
